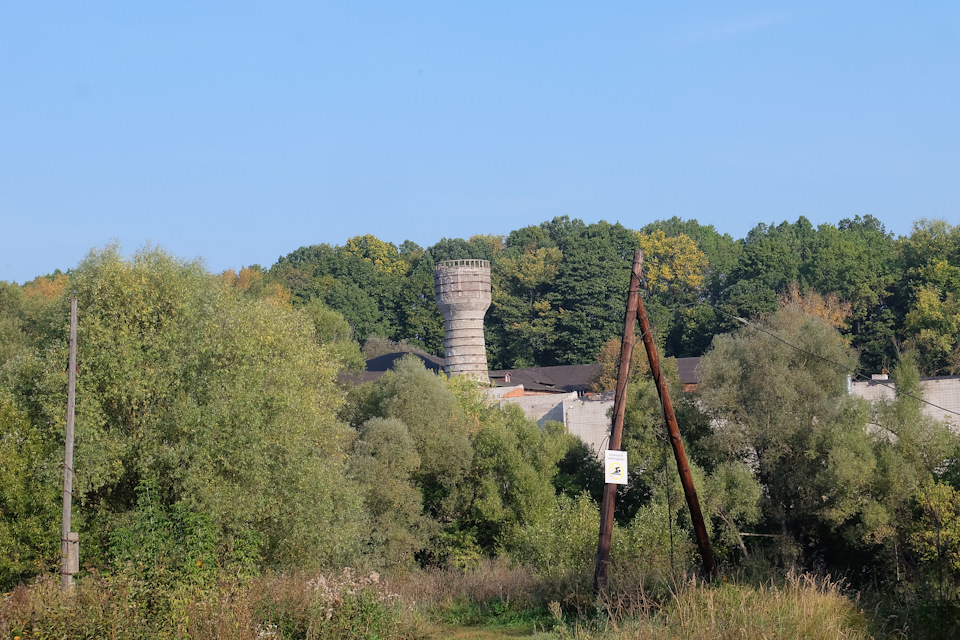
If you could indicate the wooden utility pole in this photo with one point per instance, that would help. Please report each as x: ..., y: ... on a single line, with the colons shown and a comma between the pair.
x: 69, y: 543
x: 683, y: 468
x: 619, y: 405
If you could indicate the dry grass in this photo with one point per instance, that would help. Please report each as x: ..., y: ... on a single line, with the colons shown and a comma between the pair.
x: 797, y: 606
x: 307, y: 606
x: 437, y: 604
x: 492, y: 580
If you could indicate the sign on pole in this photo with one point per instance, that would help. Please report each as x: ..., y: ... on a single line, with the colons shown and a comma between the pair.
x: 615, y: 466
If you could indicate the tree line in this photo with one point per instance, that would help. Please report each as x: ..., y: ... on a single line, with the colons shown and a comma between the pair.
x: 217, y: 436
x: 557, y: 286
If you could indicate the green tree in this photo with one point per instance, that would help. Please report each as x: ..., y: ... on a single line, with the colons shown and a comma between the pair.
x: 674, y: 271
x: 334, y: 336
x: 29, y: 517
x: 384, y: 462
x: 383, y: 255
x: 511, y: 480
x: 936, y: 538
x: 778, y: 391
x: 348, y: 280
x: 522, y: 319
x: 380, y: 290
x: 854, y: 261
x: 437, y: 425
x: 222, y: 405
x: 13, y: 341
x: 933, y: 329
x: 912, y: 450
x: 721, y: 250
x: 928, y: 293
x: 482, y: 472
x: 418, y: 319
x: 476, y: 248
x: 590, y: 291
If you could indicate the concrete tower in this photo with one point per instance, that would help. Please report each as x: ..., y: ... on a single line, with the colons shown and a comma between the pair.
x: 463, y: 295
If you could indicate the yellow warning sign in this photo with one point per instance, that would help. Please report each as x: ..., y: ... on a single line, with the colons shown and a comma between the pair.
x: 615, y: 464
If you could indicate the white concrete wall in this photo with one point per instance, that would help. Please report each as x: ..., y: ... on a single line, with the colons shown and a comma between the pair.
x: 588, y: 420
x: 542, y: 408
x: 941, y: 396
x: 945, y: 394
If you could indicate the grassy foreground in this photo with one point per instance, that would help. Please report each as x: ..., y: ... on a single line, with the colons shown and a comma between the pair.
x: 494, y: 601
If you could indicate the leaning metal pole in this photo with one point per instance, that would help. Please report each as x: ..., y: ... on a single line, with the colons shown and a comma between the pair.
x: 619, y: 404
x: 683, y: 468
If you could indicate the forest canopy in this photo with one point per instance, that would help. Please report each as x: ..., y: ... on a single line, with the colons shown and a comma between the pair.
x: 557, y: 286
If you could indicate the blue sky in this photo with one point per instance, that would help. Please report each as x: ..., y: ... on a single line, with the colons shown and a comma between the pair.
x: 237, y: 132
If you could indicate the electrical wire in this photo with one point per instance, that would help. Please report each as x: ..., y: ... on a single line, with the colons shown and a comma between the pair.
x: 853, y: 372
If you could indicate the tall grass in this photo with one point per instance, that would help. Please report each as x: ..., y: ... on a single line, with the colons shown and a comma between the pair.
x: 295, y: 607
x: 795, y: 606
x: 428, y: 604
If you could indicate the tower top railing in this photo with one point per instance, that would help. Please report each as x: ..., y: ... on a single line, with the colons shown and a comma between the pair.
x: 450, y: 264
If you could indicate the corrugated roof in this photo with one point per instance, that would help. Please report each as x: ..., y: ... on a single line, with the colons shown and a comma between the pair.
x: 687, y: 370
x: 556, y: 379
x: 376, y: 367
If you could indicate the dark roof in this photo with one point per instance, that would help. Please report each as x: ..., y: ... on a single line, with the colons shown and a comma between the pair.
x: 386, y: 361
x: 376, y: 367
x: 687, y: 370
x: 558, y: 379
x: 563, y: 378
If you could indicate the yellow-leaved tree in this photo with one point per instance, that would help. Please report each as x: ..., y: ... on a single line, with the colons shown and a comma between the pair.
x: 384, y: 255
x: 671, y: 263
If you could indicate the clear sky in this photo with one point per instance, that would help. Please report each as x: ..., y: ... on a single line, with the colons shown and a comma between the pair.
x: 237, y: 131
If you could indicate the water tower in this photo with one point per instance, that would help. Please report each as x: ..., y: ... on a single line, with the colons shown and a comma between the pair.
x: 463, y: 294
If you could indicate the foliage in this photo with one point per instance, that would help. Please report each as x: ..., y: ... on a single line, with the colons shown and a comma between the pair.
x: 590, y: 291
x: 379, y: 289
x: 830, y: 308
x: 785, y: 411
x: 933, y: 325
x: 936, y: 538
x: 434, y: 454
x: 13, y: 342
x: 514, y: 462
x: 29, y: 517
x: 521, y: 279
x: 609, y: 361
x: 731, y: 496
x: 385, y: 461
x: 558, y: 286
x: 209, y: 405
x: 438, y: 427
x: 219, y: 405
x: 579, y: 471
x: 563, y: 545
x: 671, y: 264
x: 335, y: 337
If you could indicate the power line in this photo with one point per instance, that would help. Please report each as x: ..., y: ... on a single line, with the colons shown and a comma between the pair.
x: 855, y: 375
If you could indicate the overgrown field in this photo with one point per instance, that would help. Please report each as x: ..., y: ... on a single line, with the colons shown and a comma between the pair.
x: 496, y: 600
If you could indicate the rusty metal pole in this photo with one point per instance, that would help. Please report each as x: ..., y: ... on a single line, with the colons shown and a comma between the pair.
x: 619, y: 405
x: 683, y: 468
x: 68, y: 541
